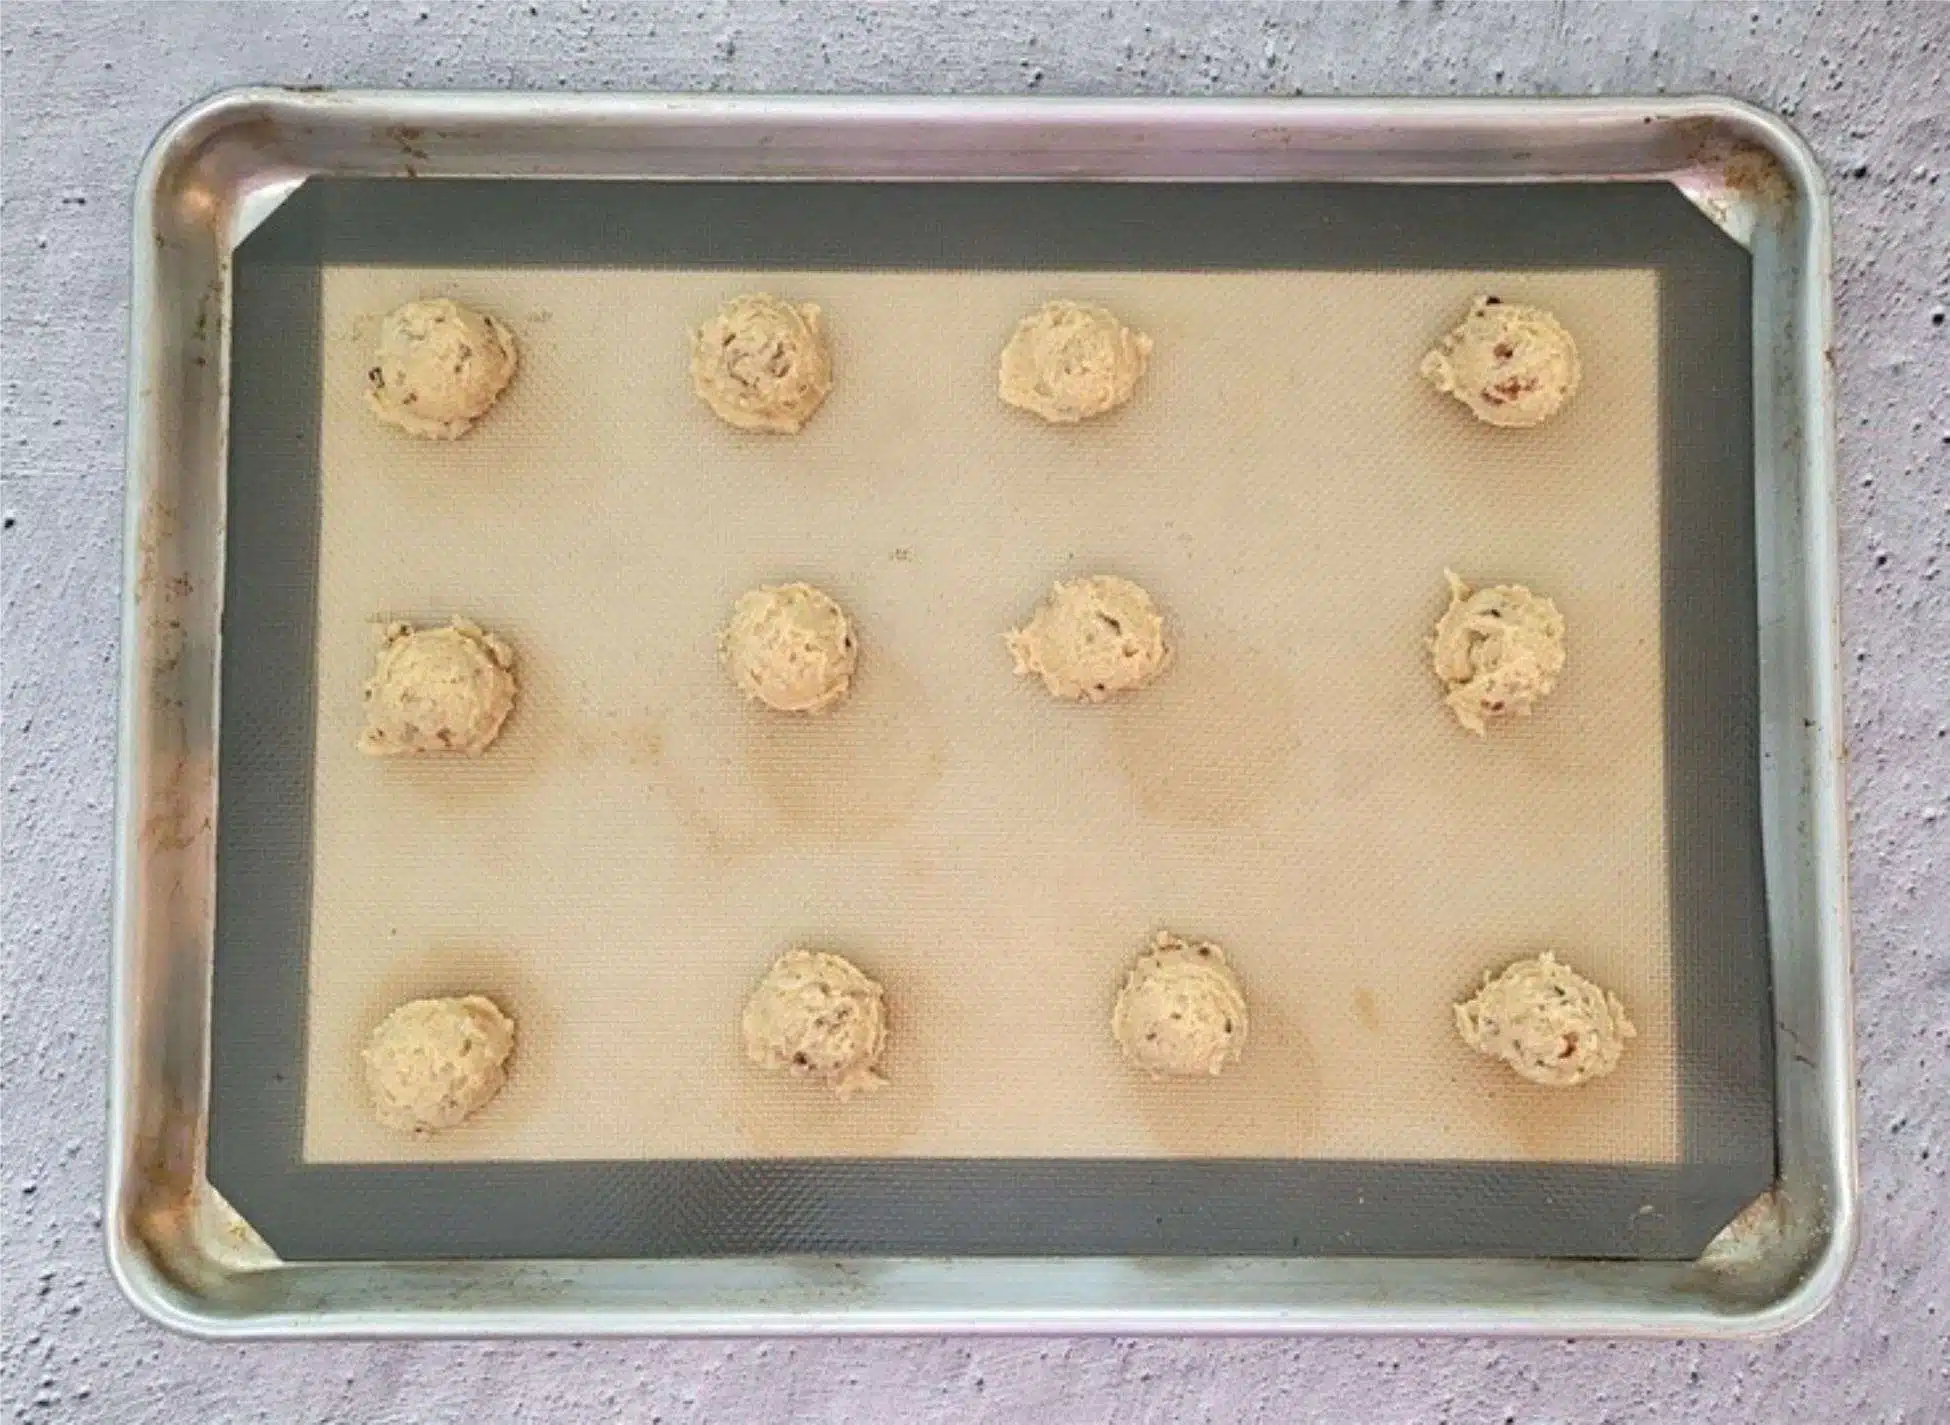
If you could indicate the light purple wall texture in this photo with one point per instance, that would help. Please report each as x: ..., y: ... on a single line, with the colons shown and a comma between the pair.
x: 85, y: 86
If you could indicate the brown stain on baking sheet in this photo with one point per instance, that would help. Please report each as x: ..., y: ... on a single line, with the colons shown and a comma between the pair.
x: 156, y: 533
x: 181, y: 812
x: 1213, y: 741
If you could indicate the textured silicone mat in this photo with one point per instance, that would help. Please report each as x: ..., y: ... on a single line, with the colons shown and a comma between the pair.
x: 621, y: 866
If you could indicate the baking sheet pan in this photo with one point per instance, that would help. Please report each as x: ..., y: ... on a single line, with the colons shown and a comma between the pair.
x: 623, y: 867
x: 217, y: 173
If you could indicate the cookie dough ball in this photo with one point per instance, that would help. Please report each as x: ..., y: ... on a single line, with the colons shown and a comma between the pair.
x: 1091, y: 638
x: 762, y: 364
x: 1547, y: 1022
x: 1498, y: 651
x: 1069, y: 361
x: 1511, y: 365
x: 816, y: 1016
x: 1180, y: 1012
x: 433, y: 1063
x: 791, y: 647
x: 438, y: 690
x: 438, y: 368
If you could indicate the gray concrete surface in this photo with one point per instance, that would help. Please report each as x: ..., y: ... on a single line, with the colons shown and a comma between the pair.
x: 85, y: 86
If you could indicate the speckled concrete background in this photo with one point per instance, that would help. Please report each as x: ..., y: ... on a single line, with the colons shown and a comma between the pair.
x: 85, y: 86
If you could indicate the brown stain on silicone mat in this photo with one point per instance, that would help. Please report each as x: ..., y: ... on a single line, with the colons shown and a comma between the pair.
x: 1264, y: 1105
x: 857, y: 771
x: 1212, y: 742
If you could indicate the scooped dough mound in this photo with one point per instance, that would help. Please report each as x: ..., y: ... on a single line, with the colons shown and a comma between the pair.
x: 438, y: 368
x: 1498, y: 651
x: 432, y: 1063
x: 762, y: 364
x: 1069, y: 361
x: 1091, y: 638
x: 816, y: 1016
x: 1511, y: 365
x: 438, y: 690
x: 1547, y: 1022
x: 791, y: 647
x: 1180, y: 1012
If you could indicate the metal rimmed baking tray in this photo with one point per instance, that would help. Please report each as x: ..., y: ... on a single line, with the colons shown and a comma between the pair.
x: 225, y: 169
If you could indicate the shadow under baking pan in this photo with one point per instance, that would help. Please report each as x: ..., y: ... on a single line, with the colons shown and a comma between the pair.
x: 1041, y: 1206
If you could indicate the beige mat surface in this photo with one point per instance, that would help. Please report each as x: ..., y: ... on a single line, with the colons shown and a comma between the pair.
x: 622, y: 865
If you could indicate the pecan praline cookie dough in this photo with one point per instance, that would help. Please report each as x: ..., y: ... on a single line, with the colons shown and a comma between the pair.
x: 438, y: 368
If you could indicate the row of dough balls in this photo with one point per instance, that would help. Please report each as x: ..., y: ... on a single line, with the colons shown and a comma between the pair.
x: 815, y: 1015
x: 1497, y: 651
x: 763, y: 364
x: 790, y: 647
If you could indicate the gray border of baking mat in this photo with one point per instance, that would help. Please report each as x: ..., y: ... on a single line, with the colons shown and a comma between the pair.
x: 1041, y: 1207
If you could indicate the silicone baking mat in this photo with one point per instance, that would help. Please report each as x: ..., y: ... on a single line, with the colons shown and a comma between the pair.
x: 621, y: 866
